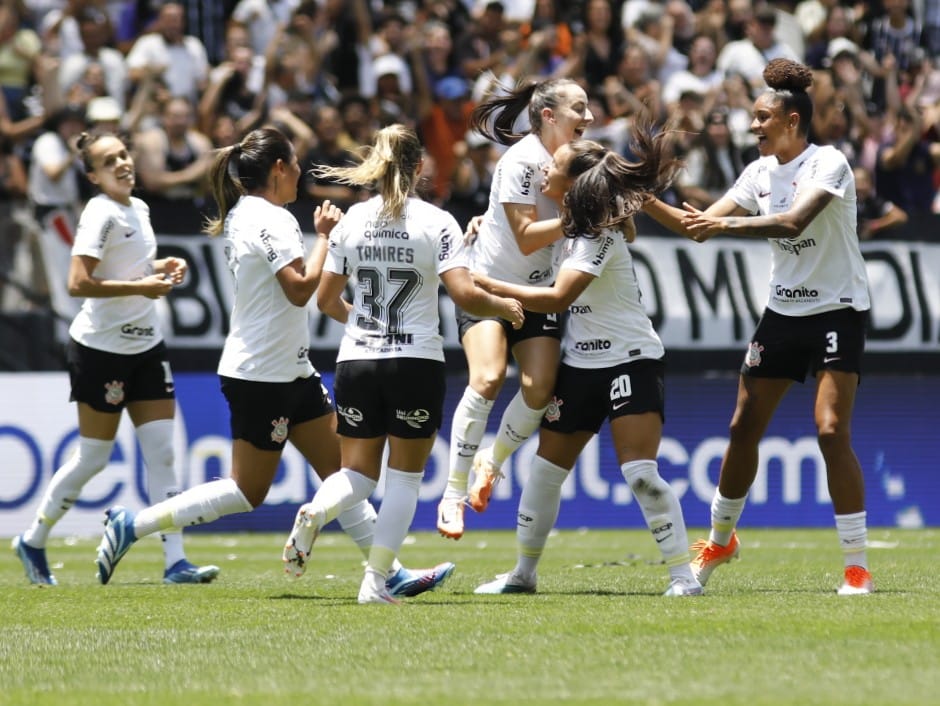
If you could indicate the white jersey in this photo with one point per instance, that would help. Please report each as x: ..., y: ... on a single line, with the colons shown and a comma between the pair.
x: 821, y: 269
x: 268, y: 338
x: 607, y: 324
x: 121, y: 239
x: 395, y: 267
x: 517, y: 180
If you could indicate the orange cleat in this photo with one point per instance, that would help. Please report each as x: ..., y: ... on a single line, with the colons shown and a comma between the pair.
x: 857, y: 582
x: 486, y: 476
x: 709, y: 556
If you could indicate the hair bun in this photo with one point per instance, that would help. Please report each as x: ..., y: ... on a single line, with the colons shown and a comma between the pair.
x: 787, y: 75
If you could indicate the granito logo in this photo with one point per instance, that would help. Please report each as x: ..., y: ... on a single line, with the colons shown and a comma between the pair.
x: 794, y: 248
x: 415, y: 418
x: 352, y: 415
x: 798, y: 293
x: 597, y: 344
x: 143, y: 331
x: 540, y: 275
x: 302, y: 352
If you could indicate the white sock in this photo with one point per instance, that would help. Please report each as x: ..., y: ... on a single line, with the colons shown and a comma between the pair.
x: 467, y: 430
x: 156, y: 445
x: 725, y: 515
x: 538, y: 511
x: 66, y: 485
x: 662, y: 513
x: 394, y: 518
x: 853, y: 538
x: 340, y: 492
x: 196, y: 506
x: 518, y: 423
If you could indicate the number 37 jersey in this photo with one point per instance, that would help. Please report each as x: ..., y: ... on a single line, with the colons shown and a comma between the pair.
x: 394, y: 268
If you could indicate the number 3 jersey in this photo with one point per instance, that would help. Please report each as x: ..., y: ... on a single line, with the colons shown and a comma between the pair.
x: 607, y: 324
x: 394, y: 268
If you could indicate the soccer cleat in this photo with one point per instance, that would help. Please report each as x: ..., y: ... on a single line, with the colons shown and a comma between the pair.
x: 450, y: 517
x: 370, y: 596
x: 300, y: 542
x: 486, y: 476
x: 34, y: 561
x: 684, y: 587
x: 857, y: 582
x: 413, y: 582
x: 507, y: 583
x: 118, y: 538
x: 184, y: 572
x: 709, y: 556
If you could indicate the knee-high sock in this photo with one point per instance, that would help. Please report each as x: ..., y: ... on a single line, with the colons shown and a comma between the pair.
x: 538, y: 511
x: 66, y: 485
x: 725, y: 514
x: 196, y: 506
x: 467, y: 430
x: 156, y: 445
x: 517, y: 424
x: 394, y: 518
x: 358, y: 522
x: 661, y: 510
x: 338, y: 493
x: 853, y: 538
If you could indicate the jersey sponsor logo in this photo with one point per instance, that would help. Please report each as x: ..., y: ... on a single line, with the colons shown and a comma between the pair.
x: 279, y: 430
x: 602, y: 253
x: 794, y: 248
x: 377, y: 229
x: 753, y: 358
x: 415, y: 418
x: 797, y: 293
x: 138, y: 331
x: 106, y: 230
x: 114, y: 392
x: 302, y: 352
x: 553, y: 411
x: 129, y: 233
x: 579, y: 309
x: 444, y: 252
x: 268, y: 247
x: 763, y: 194
x: 540, y: 275
x: 526, y: 185
x: 392, y: 339
x: 352, y: 415
x: 595, y: 344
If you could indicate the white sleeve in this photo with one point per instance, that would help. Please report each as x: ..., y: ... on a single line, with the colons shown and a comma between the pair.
x: 830, y: 171
x: 94, y: 230
x: 451, y: 251
x: 520, y: 182
x: 280, y: 244
x: 590, y: 255
x: 744, y: 191
x: 335, y: 256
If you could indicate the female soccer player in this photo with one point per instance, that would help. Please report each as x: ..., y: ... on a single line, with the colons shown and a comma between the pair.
x: 390, y: 373
x: 512, y: 244
x: 621, y: 380
x: 116, y: 355
x: 815, y: 318
x: 274, y: 393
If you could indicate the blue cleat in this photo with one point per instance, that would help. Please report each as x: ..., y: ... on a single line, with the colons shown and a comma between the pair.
x: 413, y: 582
x: 184, y: 572
x: 34, y: 561
x: 118, y: 538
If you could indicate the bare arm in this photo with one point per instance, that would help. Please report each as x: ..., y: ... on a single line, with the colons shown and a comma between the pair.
x: 702, y: 225
x: 300, y: 279
x: 330, y: 296
x: 531, y: 234
x: 478, y: 302
x: 568, y: 286
x: 83, y: 283
x: 674, y: 218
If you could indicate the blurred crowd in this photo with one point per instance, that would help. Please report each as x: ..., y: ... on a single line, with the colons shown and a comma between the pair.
x: 183, y: 78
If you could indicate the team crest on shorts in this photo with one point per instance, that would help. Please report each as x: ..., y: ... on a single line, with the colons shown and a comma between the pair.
x: 114, y: 392
x: 753, y: 359
x: 279, y: 433
x: 553, y: 411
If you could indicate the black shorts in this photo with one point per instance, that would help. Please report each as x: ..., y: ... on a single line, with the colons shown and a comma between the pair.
x: 792, y: 346
x: 584, y: 397
x: 106, y: 381
x: 535, y: 325
x: 401, y: 397
x: 262, y: 413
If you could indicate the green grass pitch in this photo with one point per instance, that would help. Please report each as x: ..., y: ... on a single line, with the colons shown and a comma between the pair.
x: 770, y: 629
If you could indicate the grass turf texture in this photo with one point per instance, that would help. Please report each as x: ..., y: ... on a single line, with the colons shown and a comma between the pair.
x: 770, y: 630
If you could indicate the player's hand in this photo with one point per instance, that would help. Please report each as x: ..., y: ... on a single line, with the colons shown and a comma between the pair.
x: 473, y: 230
x: 513, y: 313
x: 325, y: 217
x: 155, y: 286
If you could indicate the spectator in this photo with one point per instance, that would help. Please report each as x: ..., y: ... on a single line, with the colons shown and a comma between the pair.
x: 875, y: 214
x: 260, y: 18
x: 19, y: 51
x: 633, y: 88
x: 904, y: 174
x: 444, y: 122
x: 751, y: 54
x: 13, y: 186
x: 602, y: 40
x: 168, y: 52
x: 328, y: 152
x: 358, y: 122
x: 230, y: 92
x: 701, y: 75
x: 95, y: 31
x: 712, y: 165
x: 473, y: 177
x: 172, y: 161
x: 479, y: 48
